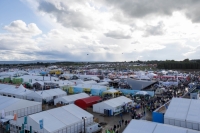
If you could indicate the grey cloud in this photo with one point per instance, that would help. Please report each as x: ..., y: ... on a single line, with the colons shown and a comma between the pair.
x: 143, y: 8
x: 67, y: 56
x: 84, y: 37
x: 173, y: 51
x: 154, y: 30
x: 117, y: 35
x: 68, y: 18
x: 135, y: 42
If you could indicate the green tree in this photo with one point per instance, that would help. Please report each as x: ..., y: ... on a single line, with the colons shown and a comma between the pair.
x: 186, y: 60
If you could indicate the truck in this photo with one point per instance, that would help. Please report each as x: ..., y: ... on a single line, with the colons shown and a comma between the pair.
x: 93, y: 128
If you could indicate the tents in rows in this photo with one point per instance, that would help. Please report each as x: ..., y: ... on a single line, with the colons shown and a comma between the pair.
x: 23, y: 93
x: 46, y: 95
x: 10, y: 106
x: 59, y: 120
x: 15, y: 91
x: 95, y: 90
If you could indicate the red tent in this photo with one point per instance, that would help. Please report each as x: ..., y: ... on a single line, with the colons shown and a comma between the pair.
x: 84, y: 103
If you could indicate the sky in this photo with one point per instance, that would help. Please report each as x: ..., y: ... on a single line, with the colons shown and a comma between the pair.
x: 103, y: 30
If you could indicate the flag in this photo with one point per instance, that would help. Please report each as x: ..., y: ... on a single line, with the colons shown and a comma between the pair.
x: 41, y: 124
x: 166, y: 106
x: 25, y: 120
x: 15, y: 117
x: 30, y: 129
x: 7, y: 127
x: 2, y: 114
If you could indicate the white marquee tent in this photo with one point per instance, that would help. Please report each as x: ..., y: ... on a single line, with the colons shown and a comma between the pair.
x: 46, y: 95
x: 70, y: 99
x: 59, y: 120
x: 183, y: 113
x: 3, y: 86
x: 13, y: 91
x: 141, y: 126
x: 114, y: 104
x: 11, y: 106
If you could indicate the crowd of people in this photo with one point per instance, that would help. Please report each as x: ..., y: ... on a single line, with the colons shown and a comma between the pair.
x: 146, y: 103
x: 116, y: 127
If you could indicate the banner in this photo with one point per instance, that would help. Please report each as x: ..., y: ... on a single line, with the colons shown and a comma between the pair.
x: 30, y: 129
x: 7, y: 127
x: 41, y: 124
x: 15, y: 117
x: 25, y: 119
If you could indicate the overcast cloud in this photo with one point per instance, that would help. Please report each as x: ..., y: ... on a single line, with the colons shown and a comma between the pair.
x: 90, y: 30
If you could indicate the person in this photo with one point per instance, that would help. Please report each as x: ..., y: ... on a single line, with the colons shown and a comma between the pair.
x: 122, y: 121
x: 125, y: 122
x: 115, y: 127
x: 121, y: 115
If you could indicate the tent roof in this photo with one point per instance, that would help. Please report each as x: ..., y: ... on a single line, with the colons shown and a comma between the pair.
x: 50, y: 93
x: 3, y: 86
x: 74, y: 97
x: 90, y: 99
x: 78, y: 112
x: 11, y: 89
x: 193, y: 112
x: 61, y: 117
x: 139, y: 84
x: 141, y: 126
x: 184, y: 109
x: 115, y: 102
x: 9, y: 103
x: 66, y: 118
x: 51, y: 123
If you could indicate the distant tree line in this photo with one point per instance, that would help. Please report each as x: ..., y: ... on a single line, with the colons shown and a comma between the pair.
x: 171, y: 64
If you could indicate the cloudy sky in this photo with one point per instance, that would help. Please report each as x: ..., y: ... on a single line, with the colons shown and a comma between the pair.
x: 99, y: 30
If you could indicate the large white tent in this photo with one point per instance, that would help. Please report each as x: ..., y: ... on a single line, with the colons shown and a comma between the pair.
x: 70, y: 99
x: 59, y: 120
x: 3, y: 86
x: 46, y: 95
x: 13, y: 91
x: 11, y: 106
x: 141, y: 126
x: 33, y: 78
x: 115, y: 105
x: 183, y: 113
